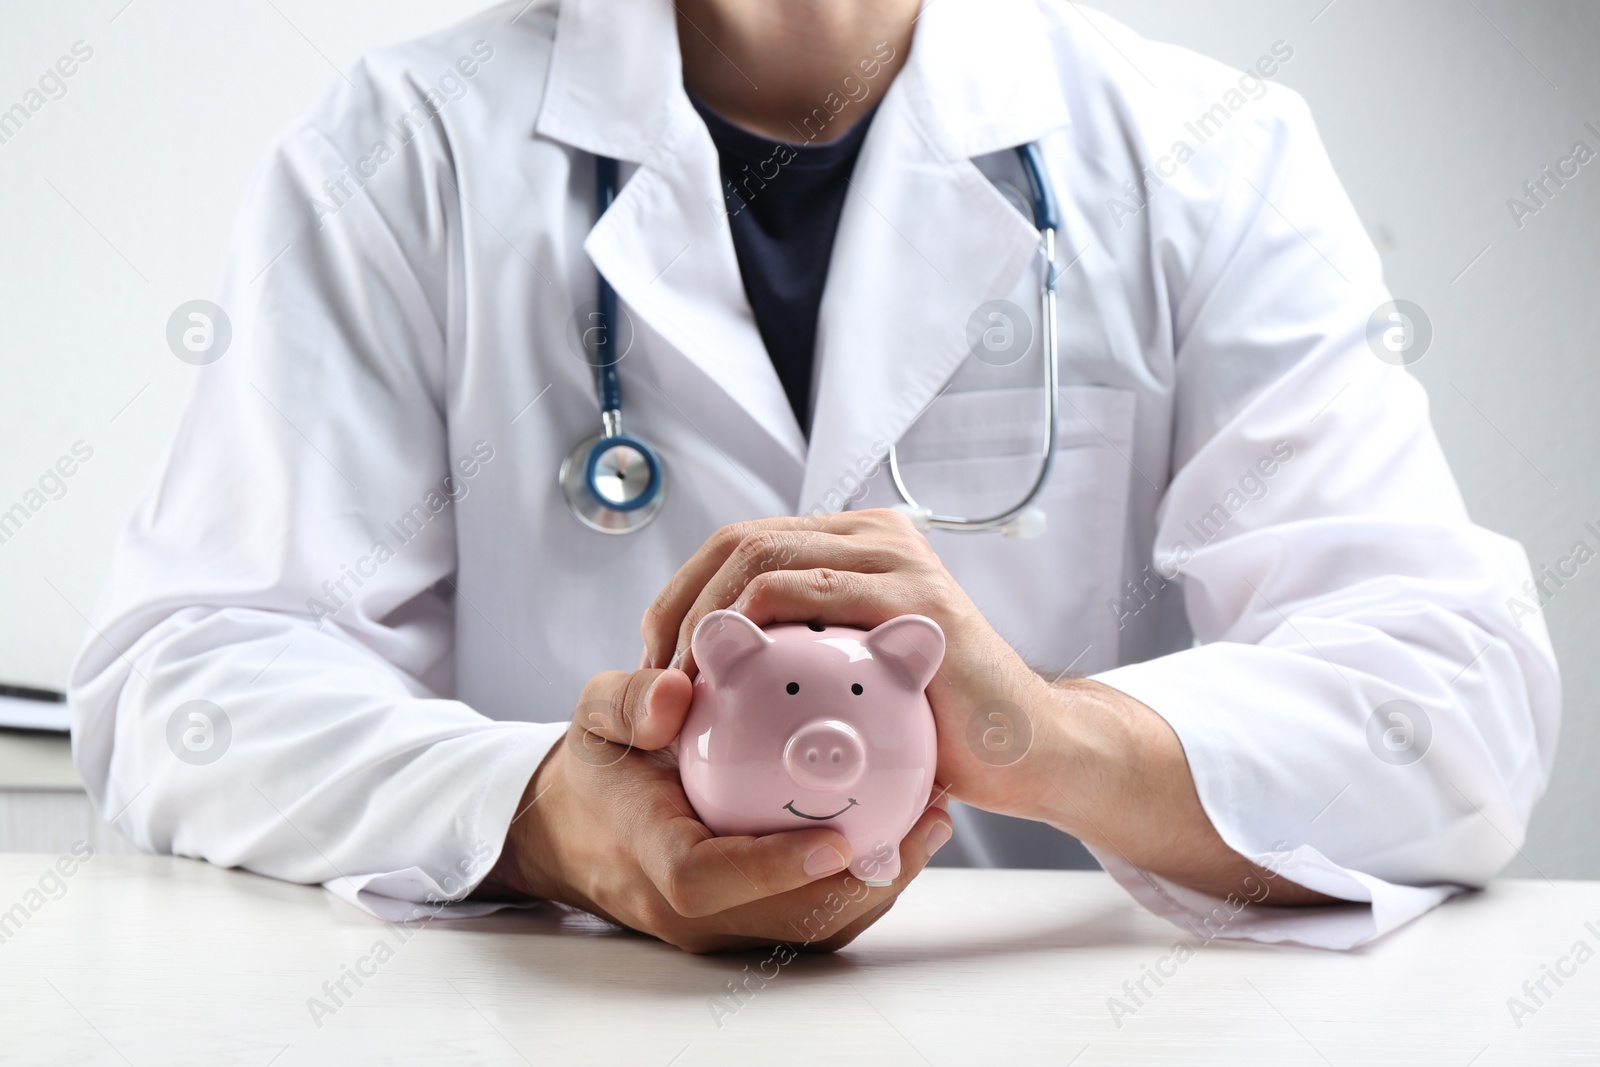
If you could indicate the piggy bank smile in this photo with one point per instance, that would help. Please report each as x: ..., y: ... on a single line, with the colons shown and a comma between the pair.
x: 791, y: 809
x: 805, y: 723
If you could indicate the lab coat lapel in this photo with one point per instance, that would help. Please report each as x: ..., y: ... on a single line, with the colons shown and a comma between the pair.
x: 666, y: 248
x: 925, y: 238
x: 615, y: 88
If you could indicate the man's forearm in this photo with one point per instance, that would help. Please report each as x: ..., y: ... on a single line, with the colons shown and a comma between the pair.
x: 1111, y: 772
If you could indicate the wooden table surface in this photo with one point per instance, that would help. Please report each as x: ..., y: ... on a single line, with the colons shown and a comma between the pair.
x: 152, y: 960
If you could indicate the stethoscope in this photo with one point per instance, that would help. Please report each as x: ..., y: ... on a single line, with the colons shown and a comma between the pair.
x: 615, y: 482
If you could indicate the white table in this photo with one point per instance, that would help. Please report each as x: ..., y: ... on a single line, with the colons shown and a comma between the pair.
x: 147, y: 960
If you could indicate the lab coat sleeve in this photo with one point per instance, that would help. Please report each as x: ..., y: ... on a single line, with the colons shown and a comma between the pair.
x: 1368, y: 711
x: 291, y: 564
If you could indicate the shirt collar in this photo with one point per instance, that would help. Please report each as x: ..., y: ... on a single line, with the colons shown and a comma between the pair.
x: 734, y: 142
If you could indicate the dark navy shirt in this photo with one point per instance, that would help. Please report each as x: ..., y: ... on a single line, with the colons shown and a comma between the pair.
x: 783, y: 202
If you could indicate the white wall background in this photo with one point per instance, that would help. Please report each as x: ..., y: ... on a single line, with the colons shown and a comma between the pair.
x: 116, y: 202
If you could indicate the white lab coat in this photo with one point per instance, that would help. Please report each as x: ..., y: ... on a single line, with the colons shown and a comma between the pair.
x: 357, y: 548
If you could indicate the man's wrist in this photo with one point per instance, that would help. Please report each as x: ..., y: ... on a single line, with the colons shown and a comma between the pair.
x: 1080, y: 743
x: 1021, y: 748
x: 519, y: 873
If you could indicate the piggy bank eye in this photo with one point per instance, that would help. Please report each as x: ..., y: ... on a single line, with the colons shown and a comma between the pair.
x: 856, y: 689
x: 792, y: 688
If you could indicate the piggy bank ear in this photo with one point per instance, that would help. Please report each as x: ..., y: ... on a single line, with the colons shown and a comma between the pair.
x: 722, y: 639
x: 912, y: 644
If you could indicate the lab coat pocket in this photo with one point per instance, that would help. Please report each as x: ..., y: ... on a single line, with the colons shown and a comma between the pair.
x: 976, y: 454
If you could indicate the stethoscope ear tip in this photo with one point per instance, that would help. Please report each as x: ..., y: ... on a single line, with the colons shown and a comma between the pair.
x: 1029, y: 524
x: 919, y: 516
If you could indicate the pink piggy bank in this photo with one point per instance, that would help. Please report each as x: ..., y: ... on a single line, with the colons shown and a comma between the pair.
x: 808, y: 725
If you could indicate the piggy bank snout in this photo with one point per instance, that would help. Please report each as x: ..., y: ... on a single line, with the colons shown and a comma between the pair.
x: 825, y: 754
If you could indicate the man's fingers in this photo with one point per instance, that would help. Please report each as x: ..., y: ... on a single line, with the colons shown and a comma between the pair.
x: 827, y: 595
x: 781, y: 550
x: 643, y: 709
x: 929, y: 833
x: 664, y: 618
x: 926, y: 836
x: 699, y: 875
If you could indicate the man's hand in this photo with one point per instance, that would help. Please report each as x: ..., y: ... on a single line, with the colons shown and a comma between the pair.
x: 1081, y: 756
x: 863, y: 568
x: 604, y: 826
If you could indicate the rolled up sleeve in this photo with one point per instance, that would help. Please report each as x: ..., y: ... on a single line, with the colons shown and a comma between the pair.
x: 1365, y: 711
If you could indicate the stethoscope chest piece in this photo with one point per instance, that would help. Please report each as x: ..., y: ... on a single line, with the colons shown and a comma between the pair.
x: 613, y: 483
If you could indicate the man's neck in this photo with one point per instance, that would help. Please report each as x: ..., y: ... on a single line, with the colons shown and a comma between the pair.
x: 793, y: 70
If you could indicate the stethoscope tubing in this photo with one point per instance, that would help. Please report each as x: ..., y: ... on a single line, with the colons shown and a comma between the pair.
x: 607, y: 386
x: 1046, y: 217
